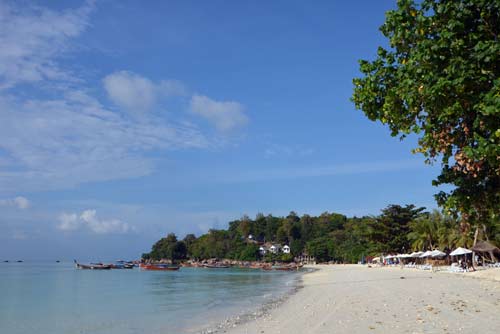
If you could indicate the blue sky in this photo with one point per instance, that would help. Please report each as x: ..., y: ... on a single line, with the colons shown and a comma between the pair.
x: 120, y: 121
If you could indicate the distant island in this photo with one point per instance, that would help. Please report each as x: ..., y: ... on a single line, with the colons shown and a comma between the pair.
x: 327, y: 237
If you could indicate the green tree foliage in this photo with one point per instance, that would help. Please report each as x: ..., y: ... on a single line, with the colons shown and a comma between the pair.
x: 286, y: 257
x: 217, y: 244
x: 249, y: 253
x: 327, y: 237
x: 435, y: 230
x: 168, y: 248
x: 440, y: 79
x: 189, y: 241
x: 296, y: 247
x: 424, y: 231
x: 390, y: 230
x: 354, y: 241
x: 321, y: 248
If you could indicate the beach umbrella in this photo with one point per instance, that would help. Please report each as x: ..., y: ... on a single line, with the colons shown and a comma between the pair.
x: 437, y: 253
x: 426, y: 254
x: 416, y: 254
x: 460, y: 251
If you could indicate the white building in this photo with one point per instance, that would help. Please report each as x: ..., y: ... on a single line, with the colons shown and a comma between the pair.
x: 274, y: 249
x: 286, y: 249
x: 262, y: 250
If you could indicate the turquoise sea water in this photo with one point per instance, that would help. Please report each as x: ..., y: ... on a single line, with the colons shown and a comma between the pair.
x: 56, y: 298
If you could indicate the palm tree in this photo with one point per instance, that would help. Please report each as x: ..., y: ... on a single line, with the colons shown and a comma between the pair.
x: 424, y: 231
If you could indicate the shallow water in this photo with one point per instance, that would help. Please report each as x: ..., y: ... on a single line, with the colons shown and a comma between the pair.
x: 56, y: 298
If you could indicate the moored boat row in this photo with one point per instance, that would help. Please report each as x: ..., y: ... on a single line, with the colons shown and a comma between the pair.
x: 166, y: 266
x: 92, y: 266
x: 101, y: 266
x: 158, y: 267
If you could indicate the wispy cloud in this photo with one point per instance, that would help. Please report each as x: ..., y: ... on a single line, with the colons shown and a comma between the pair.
x: 75, y: 138
x: 279, y: 150
x: 224, y: 115
x: 89, y: 221
x: 17, y: 202
x: 61, y: 143
x: 319, y: 171
x: 32, y: 38
x: 138, y: 94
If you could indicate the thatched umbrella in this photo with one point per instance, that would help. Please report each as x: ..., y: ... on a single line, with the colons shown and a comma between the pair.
x: 484, y: 247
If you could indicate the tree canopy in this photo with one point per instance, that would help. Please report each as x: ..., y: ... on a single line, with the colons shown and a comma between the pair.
x: 327, y: 237
x: 440, y: 79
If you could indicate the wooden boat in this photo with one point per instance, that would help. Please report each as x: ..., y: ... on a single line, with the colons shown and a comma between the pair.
x: 122, y: 265
x: 158, y: 267
x: 92, y: 266
x: 216, y: 266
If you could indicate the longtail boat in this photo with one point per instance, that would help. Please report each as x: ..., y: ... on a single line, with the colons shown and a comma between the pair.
x: 216, y: 266
x: 122, y: 265
x: 159, y: 267
x: 92, y: 266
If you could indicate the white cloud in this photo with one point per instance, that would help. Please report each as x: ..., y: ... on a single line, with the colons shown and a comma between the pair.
x: 22, y: 202
x: 168, y: 88
x: 54, y: 144
x: 31, y: 37
x: 138, y: 94
x: 130, y: 91
x: 88, y: 220
x: 225, y: 115
x: 69, y: 222
x: 18, y: 202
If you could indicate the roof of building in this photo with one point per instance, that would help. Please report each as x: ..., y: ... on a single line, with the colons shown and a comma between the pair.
x: 485, y: 247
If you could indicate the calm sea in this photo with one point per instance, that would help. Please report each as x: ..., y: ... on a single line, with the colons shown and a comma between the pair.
x: 56, y: 298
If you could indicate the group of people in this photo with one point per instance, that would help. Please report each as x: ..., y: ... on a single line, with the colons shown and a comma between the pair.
x: 466, y: 264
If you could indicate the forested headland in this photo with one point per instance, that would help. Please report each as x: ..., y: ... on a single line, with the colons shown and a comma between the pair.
x: 327, y: 237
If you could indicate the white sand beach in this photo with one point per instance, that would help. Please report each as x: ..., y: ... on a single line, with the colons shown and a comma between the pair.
x: 357, y: 299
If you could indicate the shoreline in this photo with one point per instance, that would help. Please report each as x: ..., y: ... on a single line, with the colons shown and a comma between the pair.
x: 357, y: 299
x: 260, y: 311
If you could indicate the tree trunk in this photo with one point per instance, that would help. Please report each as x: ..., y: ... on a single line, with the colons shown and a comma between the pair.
x: 475, y: 241
x: 484, y: 232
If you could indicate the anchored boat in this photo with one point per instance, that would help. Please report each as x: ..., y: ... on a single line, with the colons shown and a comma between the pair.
x: 216, y: 266
x: 92, y: 266
x: 158, y: 267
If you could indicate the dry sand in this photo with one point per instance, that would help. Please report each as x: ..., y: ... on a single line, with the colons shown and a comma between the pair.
x: 357, y: 299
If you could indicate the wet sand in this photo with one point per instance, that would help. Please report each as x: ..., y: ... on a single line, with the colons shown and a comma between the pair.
x: 357, y: 299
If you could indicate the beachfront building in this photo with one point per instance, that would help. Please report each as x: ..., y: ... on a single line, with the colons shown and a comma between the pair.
x: 286, y: 249
x: 275, y: 249
x: 262, y: 250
